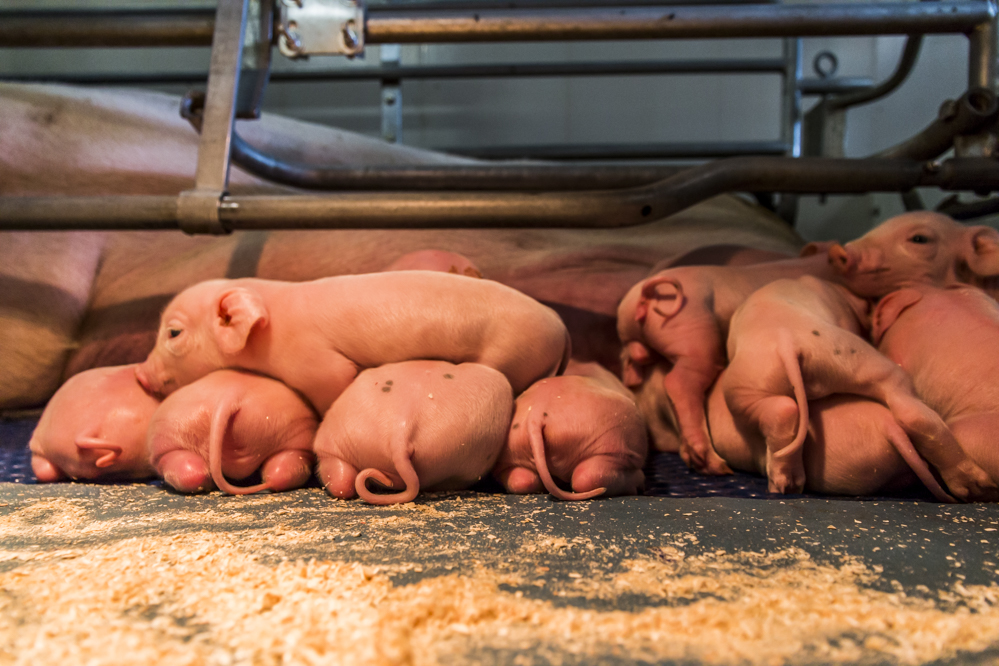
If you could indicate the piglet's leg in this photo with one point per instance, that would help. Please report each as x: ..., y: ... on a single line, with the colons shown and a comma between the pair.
x: 687, y: 385
x: 337, y: 477
x: 606, y: 472
x: 933, y: 439
x: 286, y: 470
x: 520, y: 481
x: 185, y: 471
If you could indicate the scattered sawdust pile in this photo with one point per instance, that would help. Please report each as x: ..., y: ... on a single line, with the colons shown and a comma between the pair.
x: 206, y: 598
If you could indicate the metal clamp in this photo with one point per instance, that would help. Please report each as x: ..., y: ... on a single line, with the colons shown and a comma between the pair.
x: 198, y: 212
x: 320, y: 27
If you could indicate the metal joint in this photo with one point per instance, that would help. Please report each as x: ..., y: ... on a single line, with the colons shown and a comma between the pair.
x: 198, y: 213
x: 320, y: 27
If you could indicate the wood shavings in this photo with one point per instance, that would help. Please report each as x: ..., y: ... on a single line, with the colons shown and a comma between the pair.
x: 205, y: 598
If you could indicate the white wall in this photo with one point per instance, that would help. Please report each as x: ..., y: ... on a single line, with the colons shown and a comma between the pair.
x: 455, y: 113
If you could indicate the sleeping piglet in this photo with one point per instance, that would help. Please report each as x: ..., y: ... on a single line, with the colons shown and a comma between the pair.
x: 853, y: 447
x: 948, y: 341
x: 582, y: 428
x: 316, y: 336
x: 94, y: 427
x: 230, y: 424
x: 798, y: 340
x: 416, y: 425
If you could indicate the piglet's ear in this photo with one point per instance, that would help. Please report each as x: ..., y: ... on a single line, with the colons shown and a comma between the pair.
x: 888, y: 310
x: 663, y: 294
x: 983, y: 252
x: 239, y: 310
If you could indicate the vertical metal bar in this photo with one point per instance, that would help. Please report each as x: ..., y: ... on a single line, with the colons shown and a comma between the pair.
x: 220, y: 99
x: 982, y: 56
x: 791, y: 96
x: 198, y: 209
x: 982, y: 70
x: 390, y: 55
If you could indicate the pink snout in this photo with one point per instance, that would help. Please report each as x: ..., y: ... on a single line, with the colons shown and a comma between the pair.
x: 841, y: 259
x: 150, y: 377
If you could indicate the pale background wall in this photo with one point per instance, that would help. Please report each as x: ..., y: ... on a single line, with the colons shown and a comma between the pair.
x: 448, y: 114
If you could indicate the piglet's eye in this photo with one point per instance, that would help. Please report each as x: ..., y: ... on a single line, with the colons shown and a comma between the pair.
x: 920, y: 239
x: 174, y: 332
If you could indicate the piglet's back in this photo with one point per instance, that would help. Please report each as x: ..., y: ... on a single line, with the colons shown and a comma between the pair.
x: 380, y: 318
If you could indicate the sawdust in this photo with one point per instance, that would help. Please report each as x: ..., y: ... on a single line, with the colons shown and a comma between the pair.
x: 209, y: 597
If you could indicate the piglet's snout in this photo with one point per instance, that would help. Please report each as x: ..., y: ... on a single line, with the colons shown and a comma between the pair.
x: 841, y: 259
x: 150, y: 380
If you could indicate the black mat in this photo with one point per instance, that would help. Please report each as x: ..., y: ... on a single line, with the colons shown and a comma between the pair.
x: 665, y: 474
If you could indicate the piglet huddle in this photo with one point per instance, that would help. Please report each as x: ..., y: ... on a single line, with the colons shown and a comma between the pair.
x: 414, y: 370
x: 774, y: 368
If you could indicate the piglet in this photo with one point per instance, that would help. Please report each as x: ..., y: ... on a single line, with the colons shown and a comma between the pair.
x: 853, y: 447
x: 799, y: 340
x: 416, y: 425
x: 582, y: 428
x: 316, y: 336
x: 682, y: 315
x: 948, y: 341
x: 94, y: 427
x: 230, y: 424
x: 918, y: 248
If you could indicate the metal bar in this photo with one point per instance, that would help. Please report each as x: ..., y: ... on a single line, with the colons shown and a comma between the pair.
x: 982, y: 56
x: 598, y: 209
x: 198, y: 208
x: 190, y: 27
x: 692, y: 150
x: 414, y: 72
x: 528, y: 177
x: 478, y: 5
x: 910, y: 53
x: 974, y: 110
x: 220, y: 99
x: 790, y: 116
x: 388, y: 25
x: 681, y: 22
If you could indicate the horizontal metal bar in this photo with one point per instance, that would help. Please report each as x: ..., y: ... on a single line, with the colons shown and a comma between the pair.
x: 647, y: 151
x: 529, y: 177
x: 391, y: 26
x: 637, y: 68
x: 842, y: 84
x: 597, y: 209
x: 182, y: 27
x: 478, y: 5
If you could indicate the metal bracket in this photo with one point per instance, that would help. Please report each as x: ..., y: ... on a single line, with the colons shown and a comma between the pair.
x: 320, y: 27
x: 198, y: 212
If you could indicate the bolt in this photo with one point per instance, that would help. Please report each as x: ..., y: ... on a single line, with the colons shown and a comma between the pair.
x: 390, y: 98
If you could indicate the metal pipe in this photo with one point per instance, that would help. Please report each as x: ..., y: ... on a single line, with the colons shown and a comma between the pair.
x: 182, y: 27
x: 982, y: 55
x: 598, y: 209
x: 528, y: 177
x: 812, y: 86
x: 392, y: 26
x: 660, y: 151
x: 973, y: 111
x: 910, y: 53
